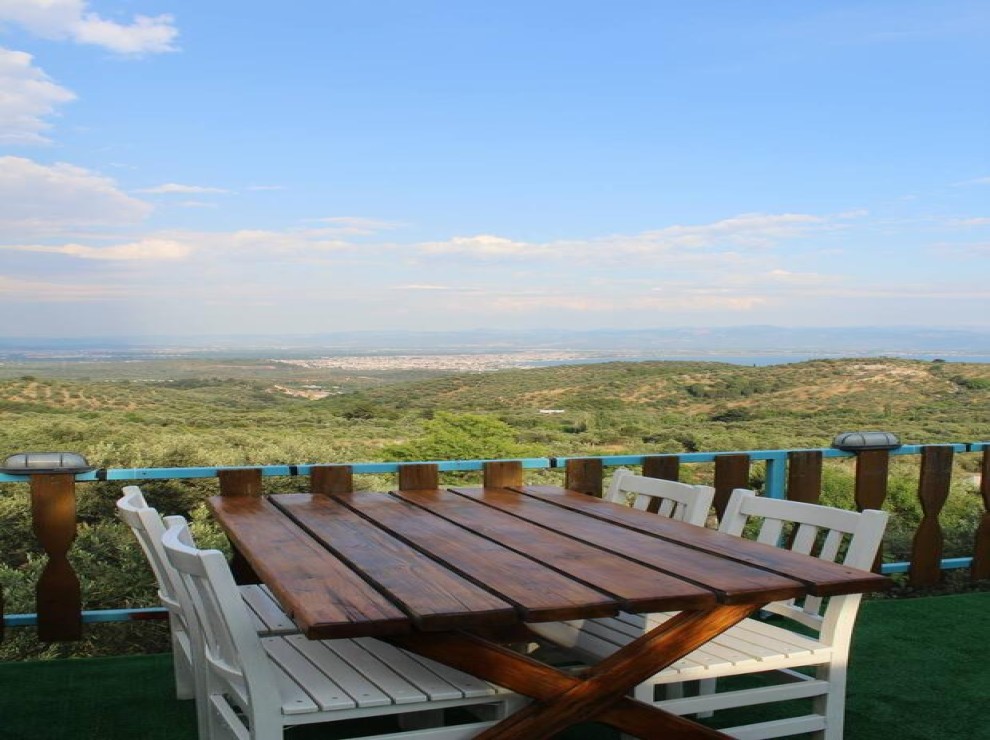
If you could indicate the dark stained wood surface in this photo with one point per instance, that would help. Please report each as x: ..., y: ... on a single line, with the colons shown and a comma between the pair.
x: 636, y: 587
x: 821, y: 578
x: 349, y: 564
x: 435, y: 595
x: 314, y: 586
x: 730, y: 581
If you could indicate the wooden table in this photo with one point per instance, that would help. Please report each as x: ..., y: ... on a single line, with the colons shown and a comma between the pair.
x: 453, y: 574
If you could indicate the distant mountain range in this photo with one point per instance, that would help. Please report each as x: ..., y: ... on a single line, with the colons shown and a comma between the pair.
x: 644, y: 343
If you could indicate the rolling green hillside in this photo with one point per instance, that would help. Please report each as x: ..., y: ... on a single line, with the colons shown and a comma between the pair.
x: 563, y: 410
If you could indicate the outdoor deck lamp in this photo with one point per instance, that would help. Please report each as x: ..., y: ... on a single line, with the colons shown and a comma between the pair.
x: 33, y: 463
x: 862, y: 441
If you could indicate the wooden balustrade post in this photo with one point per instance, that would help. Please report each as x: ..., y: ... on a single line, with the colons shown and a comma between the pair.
x: 872, y: 476
x: 804, y: 476
x: 240, y: 482
x: 667, y: 467
x: 584, y: 475
x: 981, y: 547
x: 59, y: 597
x: 328, y: 479
x: 503, y: 474
x: 731, y: 472
x: 419, y: 477
x: 933, y: 490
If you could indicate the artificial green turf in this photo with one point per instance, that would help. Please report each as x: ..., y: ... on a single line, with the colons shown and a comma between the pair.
x: 920, y: 670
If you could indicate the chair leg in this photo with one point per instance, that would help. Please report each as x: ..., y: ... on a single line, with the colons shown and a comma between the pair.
x: 832, y: 704
x: 185, y: 687
x: 706, y: 686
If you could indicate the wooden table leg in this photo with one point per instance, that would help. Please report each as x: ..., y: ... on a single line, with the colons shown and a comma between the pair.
x: 598, y: 694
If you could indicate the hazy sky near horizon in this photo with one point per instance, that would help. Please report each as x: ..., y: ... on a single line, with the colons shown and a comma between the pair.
x: 171, y: 166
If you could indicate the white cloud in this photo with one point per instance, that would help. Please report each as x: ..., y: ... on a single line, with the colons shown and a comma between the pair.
x: 974, y: 181
x: 686, y: 243
x: 354, y: 225
x: 41, y: 291
x: 144, y: 250
x: 265, y: 187
x: 70, y: 19
x: 42, y: 200
x: 172, y: 187
x: 978, y: 221
x: 485, y: 245
x: 28, y: 96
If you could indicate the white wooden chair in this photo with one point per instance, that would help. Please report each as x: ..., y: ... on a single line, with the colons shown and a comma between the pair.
x: 759, y: 646
x: 267, y: 617
x: 673, y: 499
x: 253, y: 688
x: 682, y: 501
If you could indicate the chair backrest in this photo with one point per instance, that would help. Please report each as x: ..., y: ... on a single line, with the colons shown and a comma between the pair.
x: 234, y: 661
x: 847, y: 537
x: 148, y: 528
x: 682, y: 501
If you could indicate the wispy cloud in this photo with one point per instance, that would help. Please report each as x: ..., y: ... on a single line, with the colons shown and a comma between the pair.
x: 145, y: 250
x: 29, y: 97
x: 72, y: 20
x: 354, y: 225
x: 42, y: 291
x: 171, y: 188
x: 750, y: 231
x: 973, y: 181
x: 38, y: 199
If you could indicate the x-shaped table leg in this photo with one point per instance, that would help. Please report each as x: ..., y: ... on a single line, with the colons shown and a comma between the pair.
x: 598, y: 694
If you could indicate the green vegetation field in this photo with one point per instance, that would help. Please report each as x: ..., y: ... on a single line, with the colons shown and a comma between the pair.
x: 214, y: 413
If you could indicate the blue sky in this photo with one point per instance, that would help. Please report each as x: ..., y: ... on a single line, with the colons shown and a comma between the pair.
x: 169, y: 166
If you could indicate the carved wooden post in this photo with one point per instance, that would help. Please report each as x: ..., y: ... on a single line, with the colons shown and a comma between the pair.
x: 872, y: 476
x: 584, y: 475
x: 328, y: 479
x: 240, y: 482
x: 804, y: 476
x: 981, y: 549
x: 59, y: 598
x: 499, y: 474
x: 731, y: 472
x: 419, y: 477
x: 933, y: 490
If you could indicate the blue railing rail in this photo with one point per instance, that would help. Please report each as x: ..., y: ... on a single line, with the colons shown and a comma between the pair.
x: 789, y: 473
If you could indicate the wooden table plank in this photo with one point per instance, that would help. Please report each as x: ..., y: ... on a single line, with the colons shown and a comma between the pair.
x: 432, y: 595
x: 733, y: 582
x: 314, y: 586
x: 640, y: 587
x: 821, y: 577
x: 540, y: 593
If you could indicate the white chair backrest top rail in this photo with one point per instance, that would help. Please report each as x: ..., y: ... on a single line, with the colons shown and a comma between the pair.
x: 682, y: 501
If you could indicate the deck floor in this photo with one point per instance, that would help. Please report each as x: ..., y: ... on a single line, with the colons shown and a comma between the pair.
x: 920, y: 668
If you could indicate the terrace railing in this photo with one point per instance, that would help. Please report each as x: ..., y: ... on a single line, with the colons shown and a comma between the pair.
x: 792, y: 474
